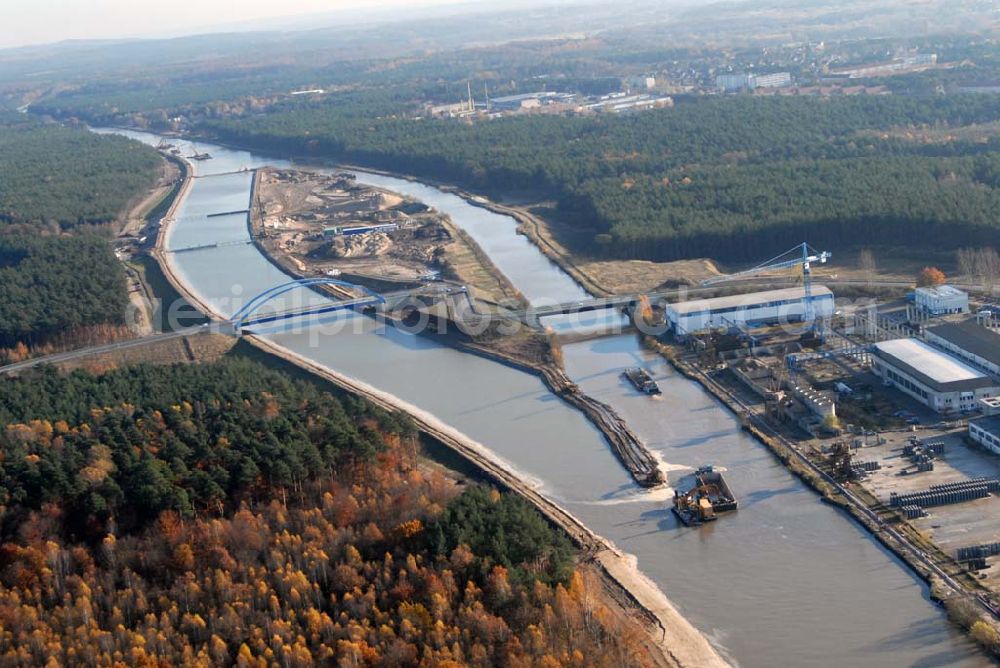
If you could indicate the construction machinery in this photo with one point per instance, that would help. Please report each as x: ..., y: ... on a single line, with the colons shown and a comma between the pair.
x: 803, y: 256
x: 709, y: 496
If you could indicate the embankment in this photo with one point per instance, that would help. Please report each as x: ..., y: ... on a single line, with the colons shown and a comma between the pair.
x: 164, y: 258
x: 632, y: 452
x: 678, y: 639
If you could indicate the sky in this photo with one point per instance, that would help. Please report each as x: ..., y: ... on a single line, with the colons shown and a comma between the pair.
x: 24, y: 22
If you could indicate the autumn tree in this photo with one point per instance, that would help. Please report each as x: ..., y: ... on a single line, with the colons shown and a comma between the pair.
x: 929, y: 277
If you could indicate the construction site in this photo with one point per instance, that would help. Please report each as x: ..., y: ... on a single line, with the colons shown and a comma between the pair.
x: 330, y: 224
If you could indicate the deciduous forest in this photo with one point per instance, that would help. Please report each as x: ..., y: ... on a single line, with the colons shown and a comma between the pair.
x: 226, y: 514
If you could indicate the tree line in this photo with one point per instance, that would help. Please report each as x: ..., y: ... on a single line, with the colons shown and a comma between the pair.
x: 723, y: 177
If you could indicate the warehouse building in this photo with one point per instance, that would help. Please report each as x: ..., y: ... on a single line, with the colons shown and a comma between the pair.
x: 941, y: 300
x: 931, y: 376
x: 758, y: 308
x: 986, y: 432
x: 976, y: 345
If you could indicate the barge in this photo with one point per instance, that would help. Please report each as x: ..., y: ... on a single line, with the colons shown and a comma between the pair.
x: 642, y: 381
x: 709, y: 496
x: 200, y: 156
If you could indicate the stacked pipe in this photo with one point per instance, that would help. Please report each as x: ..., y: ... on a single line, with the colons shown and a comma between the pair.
x: 940, y: 495
x: 978, y: 551
x: 913, y: 512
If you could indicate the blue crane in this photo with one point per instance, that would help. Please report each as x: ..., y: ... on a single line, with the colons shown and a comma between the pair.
x: 802, y: 255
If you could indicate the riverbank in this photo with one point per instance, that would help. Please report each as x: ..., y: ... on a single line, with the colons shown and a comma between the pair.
x: 630, y: 450
x: 670, y: 634
x: 950, y: 587
x: 673, y: 634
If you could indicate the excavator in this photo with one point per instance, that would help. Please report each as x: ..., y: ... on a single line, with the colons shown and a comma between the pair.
x: 709, y: 496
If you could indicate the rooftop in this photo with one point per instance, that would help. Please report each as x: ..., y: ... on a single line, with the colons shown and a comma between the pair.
x: 934, y: 368
x: 748, y: 300
x: 520, y: 97
x: 941, y: 291
x: 989, y: 424
x: 971, y: 337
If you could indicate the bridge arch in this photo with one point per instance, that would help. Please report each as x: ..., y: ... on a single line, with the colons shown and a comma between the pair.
x: 251, y: 307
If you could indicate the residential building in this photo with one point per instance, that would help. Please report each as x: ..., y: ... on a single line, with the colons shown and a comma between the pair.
x: 773, y: 80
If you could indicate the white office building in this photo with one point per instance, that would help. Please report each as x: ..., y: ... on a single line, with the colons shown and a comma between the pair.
x: 758, y: 308
x: 731, y: 83
x: 931, y: 376
x: 941, y: 300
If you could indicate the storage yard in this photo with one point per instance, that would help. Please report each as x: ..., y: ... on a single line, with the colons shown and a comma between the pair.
x: 951, y: 526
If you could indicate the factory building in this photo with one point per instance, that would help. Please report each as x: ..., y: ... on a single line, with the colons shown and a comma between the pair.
x: 941, y: 300
x: 976, y: 345
x: 986, y: 432
x: 526, y: 101
x: 931, y: 376
x: 758, y: 308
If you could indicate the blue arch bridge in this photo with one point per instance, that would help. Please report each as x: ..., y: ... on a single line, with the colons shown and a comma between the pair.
x: 254, y: 313
x: 251, y: 314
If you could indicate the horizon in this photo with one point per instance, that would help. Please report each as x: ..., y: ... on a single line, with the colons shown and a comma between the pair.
x: 39, y: 23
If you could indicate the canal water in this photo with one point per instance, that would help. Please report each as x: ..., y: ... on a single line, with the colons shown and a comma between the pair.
x: 785, y: 581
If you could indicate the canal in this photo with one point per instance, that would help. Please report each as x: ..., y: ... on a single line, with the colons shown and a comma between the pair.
x: 785, y: 581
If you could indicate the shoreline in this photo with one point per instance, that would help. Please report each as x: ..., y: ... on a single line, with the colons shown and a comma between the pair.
x: 943, y: 588
x: 679, y: 641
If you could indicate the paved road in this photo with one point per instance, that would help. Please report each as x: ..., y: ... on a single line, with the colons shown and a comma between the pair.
x: 106, y: 348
